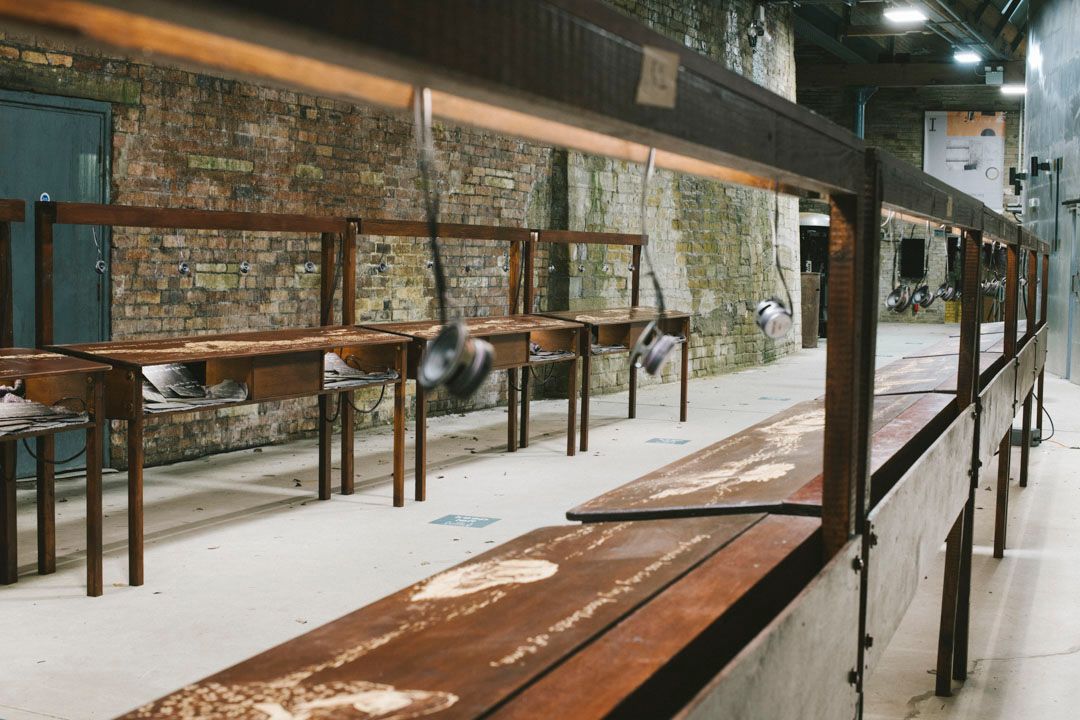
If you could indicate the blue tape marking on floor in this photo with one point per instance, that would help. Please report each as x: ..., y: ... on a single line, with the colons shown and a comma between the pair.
x: 668, y: 441
x: 472, y: 521
x: 773, y: 397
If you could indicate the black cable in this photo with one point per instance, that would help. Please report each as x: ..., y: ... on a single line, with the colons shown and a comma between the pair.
x: 650, y: 164
x: 1047, y: 414
x: 776, y: 247
x: 426, y: 152
x: 65, y: 460
x: 364, y: 411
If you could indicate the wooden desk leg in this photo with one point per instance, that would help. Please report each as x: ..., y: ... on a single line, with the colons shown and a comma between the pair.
x: 399, y: 439
x: 9, y: 538
x: 1025, y: 447
x: 684, y: 376
x: 1001, y: 514
x: 633, y: 392
x: 1039, y: 403
x: 962, y: 624
x: 348, y: 425
x: 571, y: 401
x: 947, y: 628
x: 523, y: 432
x: 46, y: 505
x: 420, y: 475
x: 135, y: 501
x: 512, y: 409
x: 326, y: 431
x: 586, y: 373
x: 93, y: 499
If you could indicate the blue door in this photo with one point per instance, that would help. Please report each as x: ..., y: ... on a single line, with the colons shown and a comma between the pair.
x: 59, y: 146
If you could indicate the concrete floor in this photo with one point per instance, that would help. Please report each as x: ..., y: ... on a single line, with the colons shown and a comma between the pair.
x: 240, y: 556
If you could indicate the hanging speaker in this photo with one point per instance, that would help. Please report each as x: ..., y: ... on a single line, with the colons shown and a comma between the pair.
x: 652, y: 349
x: 898, y: 299
x: 455, y: 360
x: 922, y: 296
x: 773, y: 317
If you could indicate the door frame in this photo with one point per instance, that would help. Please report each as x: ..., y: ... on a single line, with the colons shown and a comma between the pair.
x: 103, y: 111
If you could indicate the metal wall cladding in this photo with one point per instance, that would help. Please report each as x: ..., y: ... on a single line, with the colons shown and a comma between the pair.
x: 1051, y: 131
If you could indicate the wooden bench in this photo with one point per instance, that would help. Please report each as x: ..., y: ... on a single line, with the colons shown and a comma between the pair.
x: 614, y: 331
x: 52, y: 379
x: 774, y: 466
x: 274, y: 365
x: 510, y: 337
x: 570, y: 621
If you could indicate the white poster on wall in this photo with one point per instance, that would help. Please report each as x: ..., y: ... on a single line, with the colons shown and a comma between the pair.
x: 967, y: 150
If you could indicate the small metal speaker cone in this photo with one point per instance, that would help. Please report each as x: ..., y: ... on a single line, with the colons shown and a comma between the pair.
x: 898, y: 299
x: 455, y: 360
x: 245, y: 267
x: 652, y: 349
x: 183, y: 268
x: 100, y: 267
x: 773, y: 318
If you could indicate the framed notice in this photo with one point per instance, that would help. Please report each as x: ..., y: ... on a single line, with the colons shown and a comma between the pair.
x: 967, y: 150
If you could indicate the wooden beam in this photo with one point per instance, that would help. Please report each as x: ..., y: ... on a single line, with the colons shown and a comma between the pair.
x: 66, y: 213
x: 591, y: 238
x: 902, y: 74
x: 12, y: 210
x: 419, y: 228
x: 486, y: 56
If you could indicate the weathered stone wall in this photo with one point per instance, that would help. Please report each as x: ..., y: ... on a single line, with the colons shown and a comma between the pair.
x: 183, y: 139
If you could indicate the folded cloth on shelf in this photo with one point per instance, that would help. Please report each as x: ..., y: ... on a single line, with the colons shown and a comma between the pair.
x: 174, y: 387
x: 339, y: 373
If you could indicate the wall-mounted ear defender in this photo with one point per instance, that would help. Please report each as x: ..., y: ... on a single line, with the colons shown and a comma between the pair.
x: 946, y: 291
x: 899, y: 299
x: 652, y: 349
x: 100, y: 267
x: 922, y: 296
x: 452, y: 359
x: 653, y: 346
x: 183, y: 268
x: 245, y: 267
x: 309, y: 267
x: 455, y: 360
x: 773, y: 317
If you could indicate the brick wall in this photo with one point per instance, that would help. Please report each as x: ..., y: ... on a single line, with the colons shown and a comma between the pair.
x: 894, y: 121
x: 184, y: 139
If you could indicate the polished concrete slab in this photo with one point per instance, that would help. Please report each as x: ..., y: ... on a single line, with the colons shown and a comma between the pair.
x: 241, y: 556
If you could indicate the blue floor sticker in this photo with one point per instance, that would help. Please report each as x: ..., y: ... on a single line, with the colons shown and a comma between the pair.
x: 668, y: 441
x: 472, y: 521
x: 773, y: 397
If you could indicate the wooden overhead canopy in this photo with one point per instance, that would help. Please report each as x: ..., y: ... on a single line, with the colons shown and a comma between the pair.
x: 902, y: 74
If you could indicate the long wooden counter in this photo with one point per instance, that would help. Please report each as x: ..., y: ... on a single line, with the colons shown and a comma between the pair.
x: 611, y: 613
x: 273, y: 365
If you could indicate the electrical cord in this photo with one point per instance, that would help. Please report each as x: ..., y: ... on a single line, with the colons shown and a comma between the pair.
x: 650, y: 165
x: 776, y: 246
x: 426, y: 154
x: 76, y: 456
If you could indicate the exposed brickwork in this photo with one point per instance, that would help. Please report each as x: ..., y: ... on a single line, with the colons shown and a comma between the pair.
x: 183, y: 139
x: 894, y: 121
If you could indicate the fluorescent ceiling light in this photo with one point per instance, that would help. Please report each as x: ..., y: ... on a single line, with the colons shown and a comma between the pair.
x: 1014, y: 89
x: 967, y: 57
x: 906, y: 14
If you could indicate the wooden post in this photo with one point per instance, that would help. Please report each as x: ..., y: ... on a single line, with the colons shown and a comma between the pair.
x: 399, y: 426
x: 529, y: 253
x: 420, y: 474
x: 635, y: 275
x: 46, y: 504
x: 135, y: 493
x: 326, y: 431
x: 511, y: 408
x: 571, y: 410
x: 348, y: 317
x: 44, y: 216
x: 9, y: 536
x: 849, y: 372
x: 326, y: 281
x: 1001, y: 515
x: 94, y: 434
x: 585, y: 350
x: 1045, y: 271
x: 684, y: 373
x: 1029, y: 305
x: 956, y: 587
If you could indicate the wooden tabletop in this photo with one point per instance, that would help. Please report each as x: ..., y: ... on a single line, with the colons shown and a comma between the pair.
x: 461, y: 642
x: 140, y: 353
x: 764, y: 468
x: 25, y: 362
x: 951, y: 345
x: 614, y: 316
x: 478, y: 326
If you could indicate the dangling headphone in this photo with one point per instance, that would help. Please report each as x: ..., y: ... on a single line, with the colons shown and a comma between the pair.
x: 772, y: 315
x: 922, y: 296
x: 899, y: 299
x: 453, y: 358
x: 653, y: 345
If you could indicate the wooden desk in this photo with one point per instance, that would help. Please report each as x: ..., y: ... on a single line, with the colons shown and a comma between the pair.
x: 559, y: 607
x: 275, y: 365
x: 614, y: 331
x: 50, y: 378
x: 774, y: 466
x: 510, y: 336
